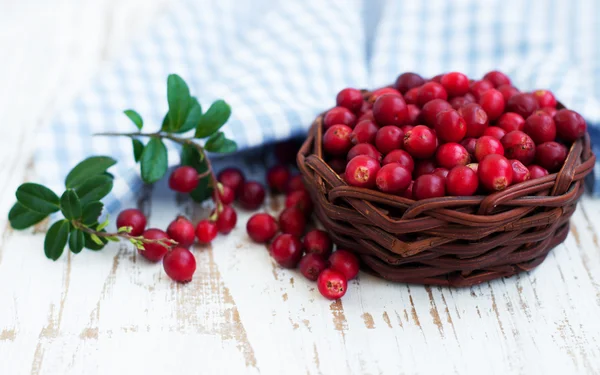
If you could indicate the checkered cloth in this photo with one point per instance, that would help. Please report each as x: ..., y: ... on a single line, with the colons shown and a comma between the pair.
x: 279, y: 63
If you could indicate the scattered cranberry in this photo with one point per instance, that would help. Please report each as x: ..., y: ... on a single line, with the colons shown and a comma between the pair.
x: 364, y: 132
x: 154, y: 251
x: 412, y: 96
x: 477, y: 88
x: 390, y: 109
x: 226, y: 220
x: 429, y: 186
x: 351, y: 99
x: 401, y: 157
x: 133, y: 218
x: 184, y: 179
x: 430, y: 91
x: 180, y: 264
x: 338, y: 165
x: 362, y: 171
x: 520, y: 171
x: 535, y: 171
x: 414, y: 114
x: 469, y: 145
x: 261, y: 227
x: 393, y: 178
x: 226, y: 194
x: 300, y: 199
x: 540, y: 127
x: 182, y: 231
x: 455, y: 83
x: 551, y: 111
x: 232, y: 177
x: 551, y: 155
x: 432, y: 108
x: 487, y: 145
x: 278, y: 177
x: 520, y: 146
x: 442, y: 172
x: 388, y: 139
x: 497, y: 78
x: 462, y: 181
x: 339, y: 115
x: 336, y: 140
x: 569, y: 125
x: 286, y: 249
x: 420, y: 142
x: 545, y: 98
x: 495, y: 131
x: 508, y: 91
x: 381, y: 92
x: 451, y: 154
x: 292, y: 220
x: 408, y: 81
x: 475, y: 118
x: 252, y: 195
x: 311, y: 265
x: 459, y: 101
x: 450, y: 127
x: 332, y: 284
x: 295, y: 183
x: 364, y: 149
x: 510, y: 121
x: 522, y: 104
x: 495, y: 172
x: 492, y: 103
x: 206, y: 231
x: 318, y: 241
x: 344, y: 262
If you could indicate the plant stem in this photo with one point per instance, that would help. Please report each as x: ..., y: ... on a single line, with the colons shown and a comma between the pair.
x: 166, y: 242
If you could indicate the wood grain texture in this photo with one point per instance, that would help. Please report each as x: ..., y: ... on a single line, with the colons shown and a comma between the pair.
x: 113, y: 312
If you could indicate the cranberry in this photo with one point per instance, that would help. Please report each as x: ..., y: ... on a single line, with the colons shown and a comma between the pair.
x: 545, y: 98
x: 362, y: 171
x: 311, y: 265
x: 336, y: 139
x: 393, y: 178
x: 332, y: 284
x: 496, y: 132
x: 401, y: 157
x: 338, y: 165
x: 133, y: 218
x: 522, y: 104
x: 551, y: 155
x: 364, y: 108
x: 473, y: 166
x: 475, y: 118
x: 381, y: 92
x: 511, y: 121
x: 569, y: 125
x: 286, y: 249
x: 232, y: 177
x: 414, y: 113
x: 339, y: 115
x: 390, y: 109
x: 451, y: 154
x: 492, y: 103
x: 292, y: 220
x: 364, y: 132
x: 351, y: 99
x: 252, y: 195
x: 412, y: 96
x: 344, y: 262
x: 495, y: 172
x: 429, y: 186
x: 518, y: 145
x: 182, y: 231
x: 459, y: 101
x: 469, y: 145
x: 477, y: 88
x: 367, y: 115
x: 154, y: 251
x: 430, y: 91
x: 407, y: 128
x: 261, y: 227
x: 487, y: 145
x: 450, y: 127
x: 184, y: 179
x: 180, y: 264
x: 206, y: 231
x: 226, y: 194
x: 407, y: 81
x: 442, y: 172
x: 437, y: 78
x: 462, y: 181
x: 278, y: 177
x: 420, y: 142
x: 423, y: 167
x: 388, y: 139
x: 300, y: 199
x: 497, y: 78
x: 455, y: 83
x: 535, y: 171
x: 550, y: 111
x: 520, y: 171
x: 364, y: 149
x: 226, y: 220
x: 318, y: 241
x: 431, y: 110
x: 408, y: 193
x: 508, y: 91
x: 540, y: 127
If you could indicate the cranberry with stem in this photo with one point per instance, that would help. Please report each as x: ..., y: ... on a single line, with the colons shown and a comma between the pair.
x: 183, y: 179
x: 133, y: 218
x: 154, y: 251
x: 232, y: 177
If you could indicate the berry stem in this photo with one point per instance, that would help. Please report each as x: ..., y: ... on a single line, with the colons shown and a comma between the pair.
x: 165, y: 242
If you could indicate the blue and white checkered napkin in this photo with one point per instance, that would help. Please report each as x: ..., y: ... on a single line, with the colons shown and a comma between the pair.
x: 279, y: 63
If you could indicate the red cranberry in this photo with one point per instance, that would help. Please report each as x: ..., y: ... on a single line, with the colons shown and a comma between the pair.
x: 183, y: 179
x: 494, y: 131
x: 226, y: 194
x: 296, y: 183
x: 429, y: 186
x: 338, y: 165
x: 390, y: 109
x: 226, y: 220
x: 336, y: 139
x: 206, y: 231
x: 551, y: 111
x: 551, y: 155
x: 414, y: 114
x: 300, y: 199
x: 475, y: 118
x: 133, y: 218
x: 292, y: 220
x: 431, y: 110
x: 318, y: 241
x: 261, y: 227
x: 232, y: 177
x: 487, y: 145
x: 474, y: 166
x: 462, y: 181
x: 362, y: 171
x: 364, y: 149
x: 459, y: 101
x: 497, y: 78
x: 364, y: 132
x: 407, y: 128
x: 508, y: 91
x: 520, y: 172
x: 469, y: 145
x: 570, y: 125
x: 540, y: 127
x: 393, y: 178
x: 311, y: 265
x: 477, y: 88
x: 364, y: 108
x: 412, y: 96
x: 437, y: 78
x: 332, y: 284
x: 492, y: 103
x: 180, y: 264
x: 388, y: 139
x: 278, y: 177
x: 518, y: 145
x: 401, y: 157
x: 154, y: 251
x: 511, y: 121
x: 423, y: 167
x: 350, y: 98
x: 286, y: 249
x: 430, y: 91
x: 522, y: 104
x: 182, y: 231
x: 495, y: 172
x: 442, y: 172
x: 455, y: 83
x: 451, y: 154
x: 339, y: 115
x: 381, y: 92
x: 407, y: 81
x: 420, y: 142
x: 252, y: 195
x: 545, y: 98
x: 367, y: 115
x: 344, y: 262
x: 450, y: 127
x: 535, y: 171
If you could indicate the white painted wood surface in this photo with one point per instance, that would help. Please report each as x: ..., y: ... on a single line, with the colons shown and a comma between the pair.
x: 111, y: 312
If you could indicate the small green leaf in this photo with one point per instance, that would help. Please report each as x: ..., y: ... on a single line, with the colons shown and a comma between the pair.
x: 113, y: 238
x: 135, y: 117
x: 214, y: 142
x: 76, y: 240
x: 226, y: 147
x: 94, y: 189
x: 90, y: 244
x: 21, y: 217
x: 96, y: 239
x: 125, y: 230
x: 154, y: 161
x: 138, y: 148
x: 56, y: 239
x: 178, y: 96
x: 37, y: 198
x: 216, y: 116
x: 70, y: 205
x: 91, y: 212
x: 90, y: 167
x: 193, y: 117
x: 103, y: 225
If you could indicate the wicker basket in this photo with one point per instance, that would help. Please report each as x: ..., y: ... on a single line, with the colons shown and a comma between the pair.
x: 455, y: 241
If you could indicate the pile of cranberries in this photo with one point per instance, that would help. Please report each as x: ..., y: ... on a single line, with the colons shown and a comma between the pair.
x: 448, y: 135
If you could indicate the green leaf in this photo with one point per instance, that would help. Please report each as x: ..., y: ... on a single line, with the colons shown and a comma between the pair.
x: 214, y: 142
x: 94, y: 189
x: 56, y: 239
x: 21, y: 217
x: 91, y: 212
x: 193, y: 117
x: 135, y: 117
x: 138, y: 148
x: 113, y: 238
x: 216, y: 116
x: 154, y: 161
x: 90, y: 244
x: 76, y: 240
x: 103, y: 225
x: 37, y: 198
x: 90, y: 167
x: 70, y: 205
x: 191, y: 157
x: 226, y: 147
x: 125, y: 229
x: 178, y: 96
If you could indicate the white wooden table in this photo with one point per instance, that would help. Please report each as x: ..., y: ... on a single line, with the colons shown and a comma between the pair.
x: 111, y: 312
